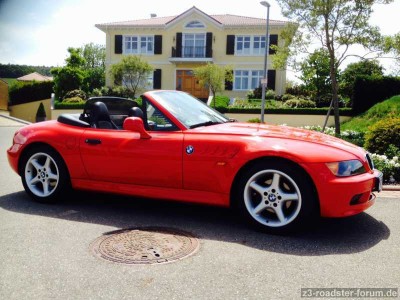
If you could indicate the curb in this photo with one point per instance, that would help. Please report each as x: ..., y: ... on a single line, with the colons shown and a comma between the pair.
x: 391, y: 188
x: 15, y: 119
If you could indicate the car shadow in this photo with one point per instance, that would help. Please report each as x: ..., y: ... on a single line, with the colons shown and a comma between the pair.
x: 328, y: 236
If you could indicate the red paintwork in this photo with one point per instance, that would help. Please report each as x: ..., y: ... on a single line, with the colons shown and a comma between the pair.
x: 158, y: 167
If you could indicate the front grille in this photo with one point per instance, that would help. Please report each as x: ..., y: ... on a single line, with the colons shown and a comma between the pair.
x: 370, y: 162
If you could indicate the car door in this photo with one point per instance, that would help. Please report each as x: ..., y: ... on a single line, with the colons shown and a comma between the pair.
x: 121, y: 156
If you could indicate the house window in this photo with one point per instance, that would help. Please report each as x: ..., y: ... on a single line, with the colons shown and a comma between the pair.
x: 259, y: 45
x: 195, y: 24
x: 250, y: 45
x: 241, y: 80
x: 247, y: 79
x: 194, y: 45
x: 243, y: 44
x: 138, y: 44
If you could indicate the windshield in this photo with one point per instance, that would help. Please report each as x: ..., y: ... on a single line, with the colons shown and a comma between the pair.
x: 190, y: 111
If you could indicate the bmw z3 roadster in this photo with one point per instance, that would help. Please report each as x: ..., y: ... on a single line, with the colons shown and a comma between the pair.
x: 172, y: 146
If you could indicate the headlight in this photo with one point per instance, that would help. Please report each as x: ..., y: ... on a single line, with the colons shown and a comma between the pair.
x: 346, y: 168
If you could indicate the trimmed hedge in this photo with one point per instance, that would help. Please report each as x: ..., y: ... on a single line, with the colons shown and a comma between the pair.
x: 68, y: 105
x: 369, y: 90
x: 21, y: 92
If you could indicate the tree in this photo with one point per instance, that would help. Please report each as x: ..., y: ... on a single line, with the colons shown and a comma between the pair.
x: 67, y: 79
x: 84, y: 70
x: 391, y: 44
x: 354, y: 70
x: 94, y: 55
x: 131, y: 72
x: 316, y: 73
x: 336, y: 25
x: 213, y: 77
x: 70, y: 77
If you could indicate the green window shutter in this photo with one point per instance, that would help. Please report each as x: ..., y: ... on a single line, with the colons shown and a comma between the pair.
x: 157, y: 79
x: 209, y: 44
x: 118, y: 44
x: 271, y: 79
x: 230, y: 45
x: 158, y: 44
x: 179, y: 44
x: 273, y: 40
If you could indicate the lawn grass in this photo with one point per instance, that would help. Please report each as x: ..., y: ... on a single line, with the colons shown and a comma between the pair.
x: 379, y: 111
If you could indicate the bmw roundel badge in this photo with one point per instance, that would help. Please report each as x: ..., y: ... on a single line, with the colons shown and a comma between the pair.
x: 189, y: 149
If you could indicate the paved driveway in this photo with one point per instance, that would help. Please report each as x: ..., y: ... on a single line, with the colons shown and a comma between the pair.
x: 44, y: 249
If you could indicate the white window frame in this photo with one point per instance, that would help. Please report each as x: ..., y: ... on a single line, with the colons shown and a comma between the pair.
x: 199, y: 36
x: 243, y: 82
x: 251, y: 41
x: 139, y: 40
x: 240, y: 43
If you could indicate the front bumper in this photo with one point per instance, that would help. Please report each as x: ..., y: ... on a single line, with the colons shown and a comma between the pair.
x: 344, y: 196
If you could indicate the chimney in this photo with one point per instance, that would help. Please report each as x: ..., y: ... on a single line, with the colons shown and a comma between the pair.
x: 153, y: 15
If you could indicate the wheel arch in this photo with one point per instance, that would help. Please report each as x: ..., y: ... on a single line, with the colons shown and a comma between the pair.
x: 266, y: 159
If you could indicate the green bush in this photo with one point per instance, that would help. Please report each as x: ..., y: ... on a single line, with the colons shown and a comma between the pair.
x: 220, y: 101
x: 257, y: 94
x: 68, y: 105
x: 77, y: 100
x: 76, y: 93
x: 300, y: 103
x: 116, y: 91
x: 286, y: 97
x: 390, y: 167
x: 21, y: 92
x: 382, y: 134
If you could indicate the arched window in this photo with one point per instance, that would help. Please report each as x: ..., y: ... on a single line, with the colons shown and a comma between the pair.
x: 195, y: 24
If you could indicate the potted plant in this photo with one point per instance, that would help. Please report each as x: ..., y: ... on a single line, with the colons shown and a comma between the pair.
x: 41, y: 113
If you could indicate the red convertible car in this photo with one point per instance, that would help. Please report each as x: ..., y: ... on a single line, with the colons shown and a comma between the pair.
x: 173, y: 146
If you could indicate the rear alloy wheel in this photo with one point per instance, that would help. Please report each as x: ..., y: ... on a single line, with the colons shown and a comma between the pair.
x: 276, y: 197
x: 43, y: 174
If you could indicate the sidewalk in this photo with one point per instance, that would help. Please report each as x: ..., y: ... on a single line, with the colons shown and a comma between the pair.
x: 7, y: 121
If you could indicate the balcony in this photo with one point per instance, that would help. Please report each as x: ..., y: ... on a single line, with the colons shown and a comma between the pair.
x: 191, y: 54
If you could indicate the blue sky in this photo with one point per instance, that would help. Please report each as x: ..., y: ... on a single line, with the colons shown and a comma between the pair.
x: 38, y: 32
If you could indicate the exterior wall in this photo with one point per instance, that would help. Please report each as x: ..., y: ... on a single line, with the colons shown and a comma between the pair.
x: 3, y: 95
x: 219, y: 56
x: 28, y: 111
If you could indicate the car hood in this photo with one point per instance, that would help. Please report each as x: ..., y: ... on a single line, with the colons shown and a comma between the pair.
x: 281, y: 132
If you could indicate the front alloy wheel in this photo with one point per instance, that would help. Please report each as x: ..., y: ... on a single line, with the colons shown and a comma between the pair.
x: 41, y: 174
x: 276, y: 196
x: 44, y: 174
x: 272, y: 198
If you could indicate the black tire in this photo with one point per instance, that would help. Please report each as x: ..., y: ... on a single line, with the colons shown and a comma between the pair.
x: 44, y: 175
x: 276, y: 197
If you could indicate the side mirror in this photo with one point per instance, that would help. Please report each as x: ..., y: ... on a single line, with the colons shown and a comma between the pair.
x: 136, y: 124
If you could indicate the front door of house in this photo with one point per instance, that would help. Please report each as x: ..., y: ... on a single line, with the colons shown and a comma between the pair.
x: 187, y: 82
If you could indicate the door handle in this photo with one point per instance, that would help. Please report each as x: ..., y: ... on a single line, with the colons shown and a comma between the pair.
x: 93, y: 141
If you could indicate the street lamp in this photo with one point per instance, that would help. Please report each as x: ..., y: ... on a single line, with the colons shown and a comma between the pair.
x: 264, y: 81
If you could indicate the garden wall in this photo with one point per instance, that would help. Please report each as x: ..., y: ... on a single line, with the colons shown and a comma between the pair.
x: 28, y: 111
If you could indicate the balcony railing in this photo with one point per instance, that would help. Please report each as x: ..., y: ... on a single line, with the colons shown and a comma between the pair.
x: 191, y: 52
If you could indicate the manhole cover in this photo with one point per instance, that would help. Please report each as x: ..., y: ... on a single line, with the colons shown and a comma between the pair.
x: 148, y: 245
